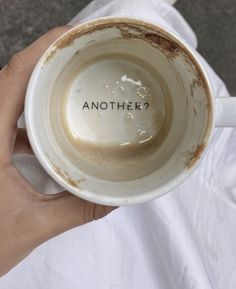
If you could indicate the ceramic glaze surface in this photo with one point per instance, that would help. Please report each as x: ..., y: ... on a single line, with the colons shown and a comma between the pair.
x: 119, y: 156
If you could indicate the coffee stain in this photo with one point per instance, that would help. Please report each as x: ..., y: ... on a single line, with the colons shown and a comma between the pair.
x: 68, y: 39
x: 59, y: 171
x: 196, y: 82
x: 50, y: 54
x: 67, y: 178
x: 91, y: 41
x: 162, y: 41
x: 192, y: 90
x: 157, y: 40
x: 187, y: 101
x: 127, y: 30
x: 77, y: 52
x: 195, y: 155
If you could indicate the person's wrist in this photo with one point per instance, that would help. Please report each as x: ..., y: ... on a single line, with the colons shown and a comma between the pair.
x: 30, y: 223
x: 64, y: 211
x: 55, y: 214
x: 21, y: 233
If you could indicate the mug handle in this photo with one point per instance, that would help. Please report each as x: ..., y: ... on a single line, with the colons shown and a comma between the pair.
x: 225, y: 112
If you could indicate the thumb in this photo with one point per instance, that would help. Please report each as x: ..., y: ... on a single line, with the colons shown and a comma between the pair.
x: 64, y: 211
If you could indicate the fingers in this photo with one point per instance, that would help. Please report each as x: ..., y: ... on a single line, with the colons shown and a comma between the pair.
x: 22, y: 144
x: 13, y: 83
x: 66, y: 211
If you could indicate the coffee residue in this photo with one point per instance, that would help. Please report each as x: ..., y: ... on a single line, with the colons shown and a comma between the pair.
x: 128, y: 30
x: 59, y: 171
x: 195, y: 155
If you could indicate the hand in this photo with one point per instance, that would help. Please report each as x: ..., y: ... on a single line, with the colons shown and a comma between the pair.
x: 27, y: 217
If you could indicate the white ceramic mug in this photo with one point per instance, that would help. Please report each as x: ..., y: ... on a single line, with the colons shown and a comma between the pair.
x: 195, y: 111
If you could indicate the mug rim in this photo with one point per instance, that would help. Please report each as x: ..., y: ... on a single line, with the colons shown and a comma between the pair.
x: 92, y: 25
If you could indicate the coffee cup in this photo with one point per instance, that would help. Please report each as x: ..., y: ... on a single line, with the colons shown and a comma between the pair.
x: 120, y: 111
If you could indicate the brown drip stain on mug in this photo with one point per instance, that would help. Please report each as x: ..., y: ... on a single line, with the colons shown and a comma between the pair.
x: 195, y: 155
x: 128, y: 31
x: 157, y: 40
x: 65, y: 176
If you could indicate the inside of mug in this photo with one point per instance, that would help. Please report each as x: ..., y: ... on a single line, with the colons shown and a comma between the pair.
x: 121, y: 153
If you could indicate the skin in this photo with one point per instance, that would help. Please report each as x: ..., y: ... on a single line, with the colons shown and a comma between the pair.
x: 27, y: 217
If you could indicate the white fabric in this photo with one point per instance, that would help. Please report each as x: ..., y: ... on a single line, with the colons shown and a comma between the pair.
x: 184, y: 240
